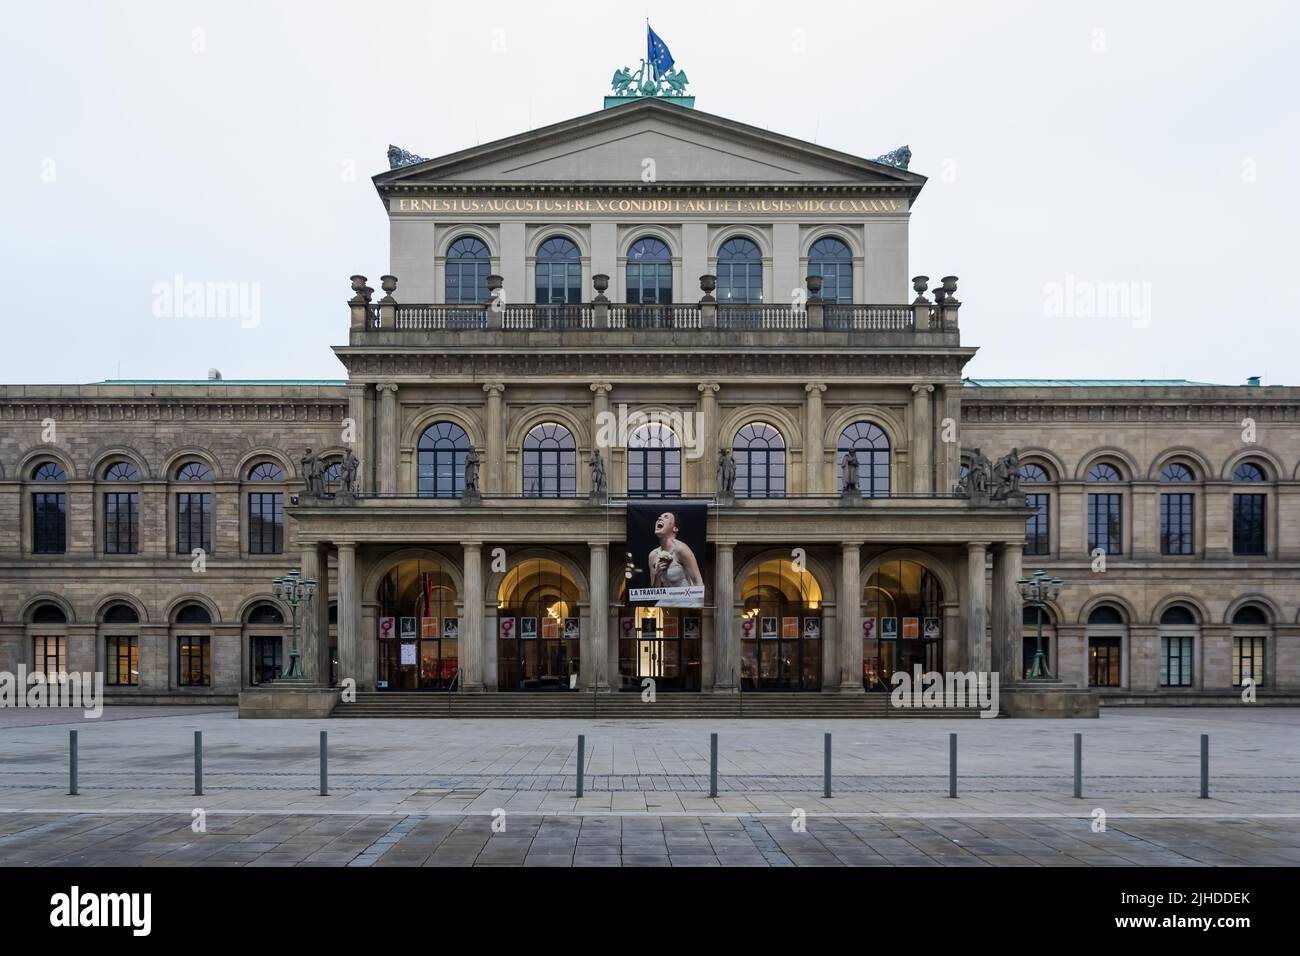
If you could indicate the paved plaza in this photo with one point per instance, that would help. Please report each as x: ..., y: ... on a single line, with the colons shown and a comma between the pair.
x: 429, y: 792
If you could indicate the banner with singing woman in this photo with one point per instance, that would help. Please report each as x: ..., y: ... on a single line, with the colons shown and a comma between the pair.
x: 665, y: 542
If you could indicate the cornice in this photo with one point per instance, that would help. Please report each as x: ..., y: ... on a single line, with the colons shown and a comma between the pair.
x: 976, y: 411
x: 171, y: 409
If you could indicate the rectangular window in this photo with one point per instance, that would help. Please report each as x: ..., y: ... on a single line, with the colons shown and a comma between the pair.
x: 49, y: 522
x: 1104, y: 661
x: 1037, y: 536
x: 121, y: 522
x: 1248, y: 524
x: 194, y: 661
x: 122, y: 661
x: 1105, y: 524
x: 1176, y: 524
x: 265, y: 659
x: 1175, y: 662
x: 265, y: 522
x: 1247, y: 661
x: 193, y: 522
x: 50, y: 655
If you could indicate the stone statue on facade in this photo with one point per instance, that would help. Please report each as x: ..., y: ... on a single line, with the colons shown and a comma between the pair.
x: 599, y: 486
x: 313, y: 475
x: 351, y: 465
x: 726, y: 473
x: 472, y: 462
x: 398, y: 157
x: 1006, y: 476
x: 898, y: 158
x: 852, y: 488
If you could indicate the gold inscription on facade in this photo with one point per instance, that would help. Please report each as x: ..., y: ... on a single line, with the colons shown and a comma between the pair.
x: 569, y: 205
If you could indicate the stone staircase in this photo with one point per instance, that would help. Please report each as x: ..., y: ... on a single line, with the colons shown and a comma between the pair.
x: 629, y: 706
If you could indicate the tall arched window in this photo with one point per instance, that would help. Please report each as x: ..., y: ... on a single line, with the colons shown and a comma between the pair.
x: 48, y: 628
x: 740, y: 272
x: 266, y: 511
x: 194, y: 508
x: 441, y: 461
x: 654, y: 462
x: 649, y: 273
x: 1106, y: 632
x: 872, y: 447
x: 193, y: 631
x: 550, y: 462
x: 49, y: 510
x: 119, y: 630
x: 264, y: 632
x: 759, y: 452
x: 558, y: 273
x: 1177, y: 646
x: 1105, y: 514
x: 467, y: 267
x: 1249, y: 533
x: 902, y: 622
x: 1250, y: 631
x: 1177, y: 520
x: 831, y: 259
x: 122, y: 510
x: 1038, y: 529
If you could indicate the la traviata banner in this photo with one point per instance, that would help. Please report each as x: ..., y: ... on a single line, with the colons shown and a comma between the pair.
x: 665, y: 541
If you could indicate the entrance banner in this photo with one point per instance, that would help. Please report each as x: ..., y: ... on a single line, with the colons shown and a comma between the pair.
x: 506, y: 628
x: 387, y: 627
x: 666, y: 539
x: 889, y: 628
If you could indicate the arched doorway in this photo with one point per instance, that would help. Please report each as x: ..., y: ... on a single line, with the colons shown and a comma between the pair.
x: 902, y: 622
x: 781, y: 628
x: 659, y: 643
x: 419, y: 627
x: 539, y: 630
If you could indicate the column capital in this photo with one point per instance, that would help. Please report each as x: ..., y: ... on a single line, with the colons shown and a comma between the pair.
x: 386, y: 387
x: 724, y: 545
x: 494, y: 389
x: 708, y: 388
x: 850, y: 545
x: 346, y: 545
x: 974, y: 546
x: 1008, y: 546
x: 358, y: 386
x: 815, y: 387
x: 602, y: 388
x: 922, y: 388
x: 472, y: 545
x: 598, y: 545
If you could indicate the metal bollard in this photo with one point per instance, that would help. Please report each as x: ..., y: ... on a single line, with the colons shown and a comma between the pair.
x: 713, y: 765
x: 1205, y: 766
x: 324, y: 763
x: 1078, y: 766
x: 72, y: 763
x: 582, y: 750
x: 198, y: 763
x: 952, y: 765
x: 826, y: 766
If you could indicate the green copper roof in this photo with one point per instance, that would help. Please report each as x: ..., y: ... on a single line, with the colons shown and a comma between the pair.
x: 1077, y: 382
x: 222, y: 381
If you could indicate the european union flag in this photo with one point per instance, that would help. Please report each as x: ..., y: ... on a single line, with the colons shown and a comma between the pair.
x: 657, y: 53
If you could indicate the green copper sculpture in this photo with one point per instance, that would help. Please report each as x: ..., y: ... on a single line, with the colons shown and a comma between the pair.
x: 630, y: 85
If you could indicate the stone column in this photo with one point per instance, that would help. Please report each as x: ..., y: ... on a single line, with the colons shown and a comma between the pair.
x: 919, y: 441
x: 1007, y: 628
x: 727, y: 655
x: 308, y: 618
x: 977, y: 639
x: 850, y: 617
x: 387, y: 439
x: 595, y: 645
x: 812, y: 438
x: 494, y: 470
x: 471, y: 627
x: 357, y: 412
x: 708, y: 438
x: 349, y: 614
x: 321, y: 609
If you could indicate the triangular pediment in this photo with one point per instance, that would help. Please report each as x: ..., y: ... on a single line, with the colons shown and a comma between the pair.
x: 684, y: 145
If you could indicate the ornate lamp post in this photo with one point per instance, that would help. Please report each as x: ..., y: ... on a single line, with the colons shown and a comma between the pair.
x: 1038, y: 590
x: 293, y: 590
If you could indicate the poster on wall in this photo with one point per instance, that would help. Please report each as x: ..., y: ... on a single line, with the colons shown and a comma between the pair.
x: 889, y: 628
x: 691, y: 628
x: 387, y: 627
x: 869, y: 630
x: 570, y: 628
x: 506, y: 629
x: 767, y: 628
x: 428, y: 627
x: 408, y: 628
x: 450, y: 628
x: 408, y: 653
x: 528, y: 628
x: 931, y: 630
x: 550, y: 628
x: 812, y: 628
x: 625, y: 626
x: 911, y: 628
x: 789, y: 627
x: 666, y: 541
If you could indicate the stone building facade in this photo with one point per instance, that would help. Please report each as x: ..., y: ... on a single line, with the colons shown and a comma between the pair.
x: 655, y: 286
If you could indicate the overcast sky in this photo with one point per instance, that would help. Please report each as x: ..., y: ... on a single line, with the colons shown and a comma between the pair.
x: 1145, y: 151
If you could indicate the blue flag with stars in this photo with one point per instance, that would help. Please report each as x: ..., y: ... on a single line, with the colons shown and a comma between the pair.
x: 657, y: 53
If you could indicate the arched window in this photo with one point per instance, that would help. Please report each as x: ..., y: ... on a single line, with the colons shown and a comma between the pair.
x: 420, y: 596
x: 902, y: 622
x: 1177, y: 518
x: 265, y: 614
x: 1106, y: 633
x: 831, y: 259
x: 781, y: 628
x: 872, y: 447
x: 1038, y: 530
x: 467, y: 267
x: 49, y: 614
x: 193, y: 471
x: 121, y: 645
x: 1250, y: 633
x: 1105, y: 512
x: 558, y: 273
x: 550, y: 462
x: 1178, y: 633
x: 193, y: 646
x: 121, y: 614
x: 264, y: 628
x: 193, y: 510
x: 121, y: 511
x: 49, y: 511
x: 266, y: 511
x: 440, y: 461
x: 193, y: 614
x: 649, y: 273
x: 759, y: 451
x: 740, y: 272
x: 654, y: 462
x: 49, y: 633
x: 1249, y: 531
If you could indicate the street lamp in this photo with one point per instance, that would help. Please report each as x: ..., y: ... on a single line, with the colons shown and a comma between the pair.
x: 1038, y: 590
x: 293, y: 589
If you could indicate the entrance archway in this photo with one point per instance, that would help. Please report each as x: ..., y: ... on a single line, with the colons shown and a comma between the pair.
x: 780, y: 628
x: 539, y: 628
x: 419, y: 627
x: 902, y: 622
